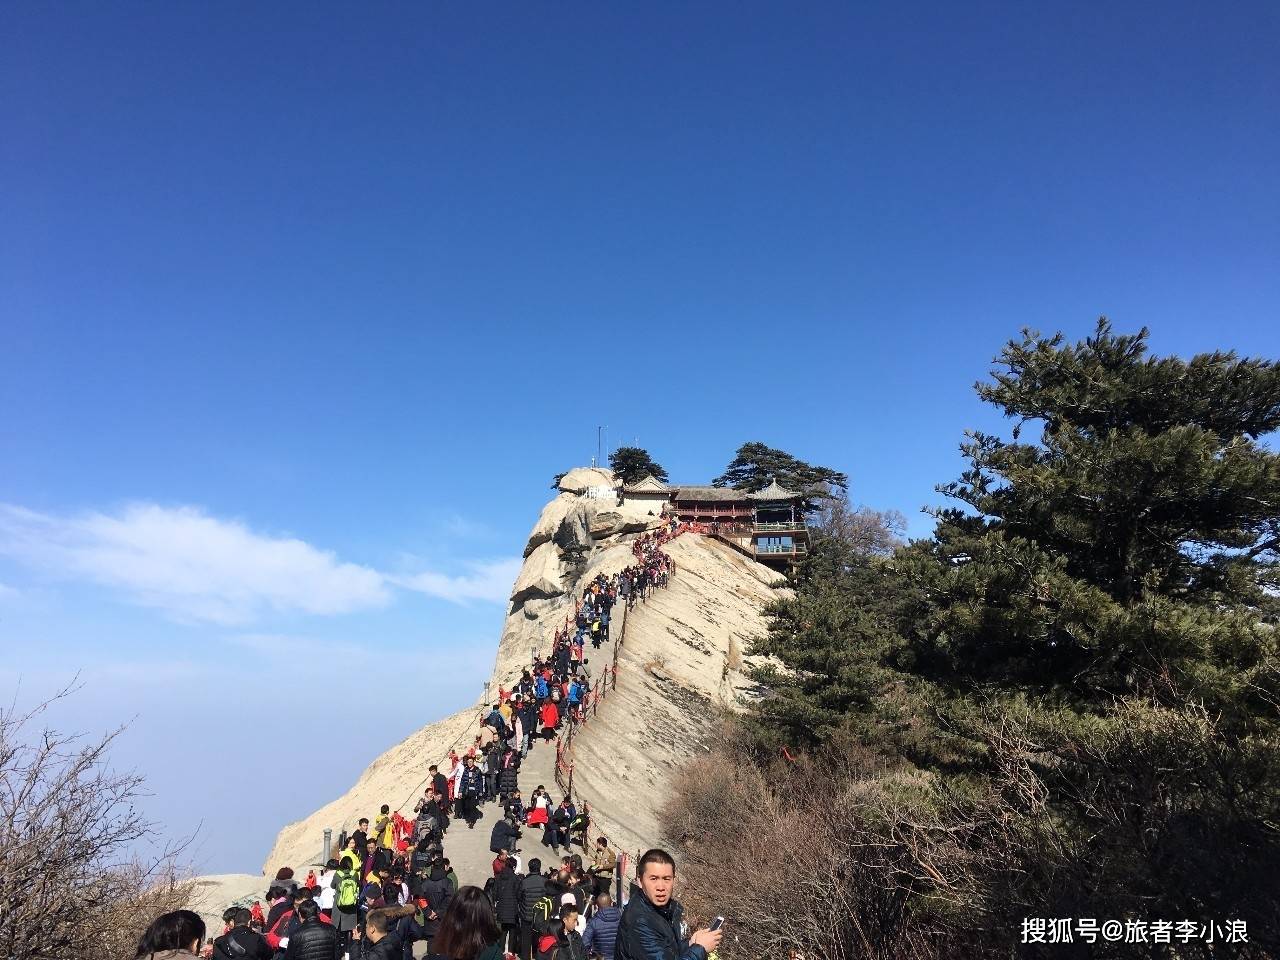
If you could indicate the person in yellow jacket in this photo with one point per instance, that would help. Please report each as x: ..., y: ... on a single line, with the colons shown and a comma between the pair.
x: 384, y: 828
x: 351, y: 856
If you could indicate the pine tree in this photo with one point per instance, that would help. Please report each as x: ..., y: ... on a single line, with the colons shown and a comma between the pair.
x: 633, y: 464
x: 1083, y: 658
x: 756, y: 465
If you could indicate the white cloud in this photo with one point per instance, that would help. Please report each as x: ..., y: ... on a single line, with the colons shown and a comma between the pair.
x: 489, y: 581
x: 189, y: 564
x: 8, y: 593
x: 306, y: 649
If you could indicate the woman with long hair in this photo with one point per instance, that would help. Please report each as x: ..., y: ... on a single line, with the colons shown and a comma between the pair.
x: 171, y: 936
x: 468, y: 929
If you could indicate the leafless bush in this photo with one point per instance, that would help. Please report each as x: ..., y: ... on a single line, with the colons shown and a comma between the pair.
x: 70, y: 884
x: 813, y: 857
x: 848, y: 856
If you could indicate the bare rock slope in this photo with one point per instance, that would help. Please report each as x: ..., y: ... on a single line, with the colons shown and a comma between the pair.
x: 679, y: 667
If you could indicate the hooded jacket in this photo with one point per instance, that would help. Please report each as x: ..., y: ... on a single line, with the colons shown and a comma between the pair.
x: 647, y: 932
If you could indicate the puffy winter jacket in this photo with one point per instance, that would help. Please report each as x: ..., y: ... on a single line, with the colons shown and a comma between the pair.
x: 254, y: 946
x: 602, y: 932
x: 507, y: 896
x: 509, y: 780
x: 313, y: 940
x: 532, y: 889
x: 649, y: 933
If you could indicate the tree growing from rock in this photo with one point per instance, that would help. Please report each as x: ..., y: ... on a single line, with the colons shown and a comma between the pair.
x: 633, y: 464
x: 756, y: 465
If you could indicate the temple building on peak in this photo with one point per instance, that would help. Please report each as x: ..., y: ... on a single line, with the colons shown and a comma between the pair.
x: 768, y: 525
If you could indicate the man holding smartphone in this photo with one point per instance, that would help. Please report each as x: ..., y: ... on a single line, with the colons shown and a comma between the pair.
x: 652, y: 926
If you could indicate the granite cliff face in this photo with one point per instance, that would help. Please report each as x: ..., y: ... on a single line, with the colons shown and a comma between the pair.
x: 679, y: 667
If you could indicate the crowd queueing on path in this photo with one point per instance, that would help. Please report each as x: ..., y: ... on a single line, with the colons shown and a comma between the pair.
x: 392, y: 894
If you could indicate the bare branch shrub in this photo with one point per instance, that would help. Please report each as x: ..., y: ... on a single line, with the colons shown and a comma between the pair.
x: 69, y: 880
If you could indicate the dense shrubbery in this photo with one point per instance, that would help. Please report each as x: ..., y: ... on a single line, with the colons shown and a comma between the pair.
x: 1062, y: 704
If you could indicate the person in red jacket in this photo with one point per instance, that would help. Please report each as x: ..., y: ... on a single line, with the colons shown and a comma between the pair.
x: 550, y: 720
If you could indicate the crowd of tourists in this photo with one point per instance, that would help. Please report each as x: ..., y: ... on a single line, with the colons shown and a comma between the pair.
x: 391, y: 887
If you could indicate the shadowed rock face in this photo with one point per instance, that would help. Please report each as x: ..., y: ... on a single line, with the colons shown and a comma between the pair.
x: 679, y: 667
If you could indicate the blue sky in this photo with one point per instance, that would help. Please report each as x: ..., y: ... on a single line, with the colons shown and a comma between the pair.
x: 303, y: 304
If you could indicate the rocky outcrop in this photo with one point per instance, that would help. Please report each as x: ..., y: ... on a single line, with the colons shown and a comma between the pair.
x: 681, y: 665
x: 549, y: 521
x: 581, y: 479
x: 540, y: 578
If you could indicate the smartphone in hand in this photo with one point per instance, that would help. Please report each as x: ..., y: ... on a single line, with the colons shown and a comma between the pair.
x: 716, y: 924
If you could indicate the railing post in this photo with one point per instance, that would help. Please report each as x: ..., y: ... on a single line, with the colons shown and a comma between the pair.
x: 569, y: 789
x: 328, y: 844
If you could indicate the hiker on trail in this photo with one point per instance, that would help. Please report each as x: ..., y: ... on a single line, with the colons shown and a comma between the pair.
x: 382, y: 827
x: 281, y: 903
x: 375, y: 860
x: 321, y: 888
x: 468, y: 930
x: 603, y: 863
x: 345, y: 885
x: 652, y: 923
x: 533, y: 887
x: 450, y: 875
x: 381, y: 941
x: 470, y: 786
x: 493, y: 768
x: 241, y: 943
x: 550, y: 720
x: 507, y: 896
x: 354, y: 854
x: 602, y: 929
x: 361, y: 834
x: 172, y: 936
x: 312, y: 938
x: 505, y: 834
x: 570, y: 946
x: 433, y: 895
x: 508, y: 774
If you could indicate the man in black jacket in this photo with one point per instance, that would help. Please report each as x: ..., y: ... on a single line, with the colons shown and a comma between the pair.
x: 380, y: 942
x: 313, y: 939
x: 504, y: 836
x: 440, y: 786
x: 651, y: 922
x: 533, y: 887
x: 241, y: 943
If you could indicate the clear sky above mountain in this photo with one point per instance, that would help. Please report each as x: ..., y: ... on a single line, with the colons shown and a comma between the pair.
x: 303, y: 305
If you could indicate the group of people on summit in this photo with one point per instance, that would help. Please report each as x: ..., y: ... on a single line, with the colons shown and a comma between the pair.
x: 390, y: 887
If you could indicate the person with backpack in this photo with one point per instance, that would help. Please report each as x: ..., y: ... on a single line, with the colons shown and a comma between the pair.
x: 533, y: 889
x: 345, y: 884
x: 241, y: 943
